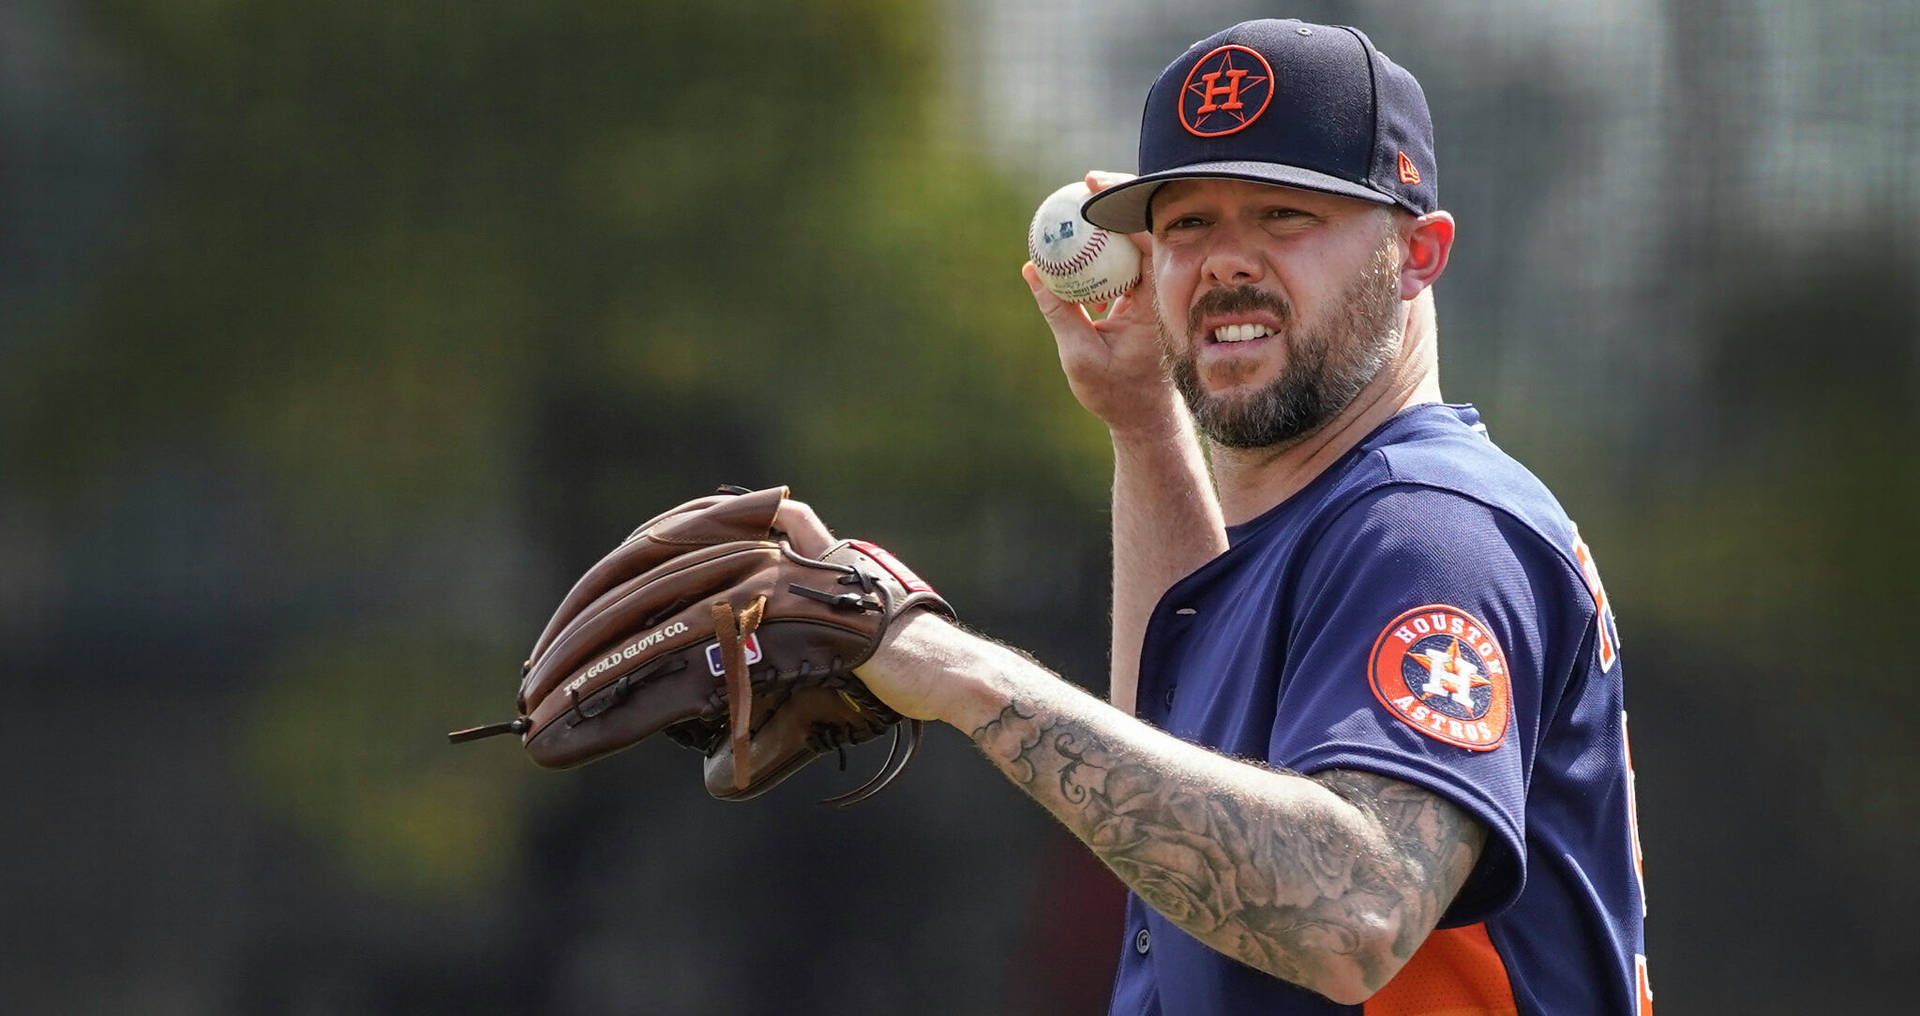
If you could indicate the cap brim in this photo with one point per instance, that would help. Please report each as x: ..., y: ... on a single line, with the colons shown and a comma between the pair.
x: 1123, y: 207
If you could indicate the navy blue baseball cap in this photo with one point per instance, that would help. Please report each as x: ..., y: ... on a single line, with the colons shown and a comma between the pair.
x: 1287, y: 103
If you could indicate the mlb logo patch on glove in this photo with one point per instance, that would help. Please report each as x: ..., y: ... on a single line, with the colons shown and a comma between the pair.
x: 718, y: 666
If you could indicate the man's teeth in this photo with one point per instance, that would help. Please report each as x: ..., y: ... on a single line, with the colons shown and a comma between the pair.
x: 1240, y: 333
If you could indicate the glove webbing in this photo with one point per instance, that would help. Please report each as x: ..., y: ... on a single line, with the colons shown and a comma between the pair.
x: 733, y: 632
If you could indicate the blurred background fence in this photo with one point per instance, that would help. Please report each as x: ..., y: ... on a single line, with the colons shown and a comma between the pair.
x: 336, y: 338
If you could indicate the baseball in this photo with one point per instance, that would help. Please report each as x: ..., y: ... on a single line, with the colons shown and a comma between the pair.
x: 1079, y: 261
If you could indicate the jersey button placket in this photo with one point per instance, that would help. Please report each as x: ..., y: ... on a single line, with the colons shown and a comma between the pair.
x: 1184, y: 614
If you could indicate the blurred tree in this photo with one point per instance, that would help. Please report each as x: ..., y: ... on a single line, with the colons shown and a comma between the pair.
x: 420, y: 305
x: 1782, y: 534
x: 1765, y: 595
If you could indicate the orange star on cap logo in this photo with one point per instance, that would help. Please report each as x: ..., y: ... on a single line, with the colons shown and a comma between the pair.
x: 1439, y: 670
x: 1225, y: 92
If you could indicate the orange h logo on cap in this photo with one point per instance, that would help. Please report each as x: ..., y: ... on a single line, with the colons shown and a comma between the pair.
x: 1215, y: 98
x: 1212, y: 89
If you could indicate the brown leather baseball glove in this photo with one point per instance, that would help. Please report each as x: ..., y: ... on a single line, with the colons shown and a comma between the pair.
x: 706, y: 624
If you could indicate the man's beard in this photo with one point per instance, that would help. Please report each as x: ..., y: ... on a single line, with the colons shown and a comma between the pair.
x: 1324, y: 371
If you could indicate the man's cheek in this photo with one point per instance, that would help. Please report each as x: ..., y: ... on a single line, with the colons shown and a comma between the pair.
x: 1173, y: 328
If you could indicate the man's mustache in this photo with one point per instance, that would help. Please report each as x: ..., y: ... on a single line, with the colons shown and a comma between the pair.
x: 1238, y: 300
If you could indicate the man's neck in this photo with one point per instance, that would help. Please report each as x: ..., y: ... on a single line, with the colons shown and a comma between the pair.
x: 1251, y: 481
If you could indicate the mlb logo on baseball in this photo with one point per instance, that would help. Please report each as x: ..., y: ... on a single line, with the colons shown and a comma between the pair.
x: 1078, y: 261
x: 751, y: 644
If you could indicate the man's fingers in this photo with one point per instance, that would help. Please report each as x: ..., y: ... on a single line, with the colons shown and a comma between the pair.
x: 1032, y: 275
x: 1059, y: 313
x: 1135, y: 306
x: 803, y: 527
x: 1100, y: 179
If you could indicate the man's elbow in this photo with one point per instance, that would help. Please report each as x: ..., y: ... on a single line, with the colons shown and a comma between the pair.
x: 1367, y: 960
x: 1348, y: 995
x: 1349, y: 989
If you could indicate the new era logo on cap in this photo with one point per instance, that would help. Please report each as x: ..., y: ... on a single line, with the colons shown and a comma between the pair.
x: 1409, y: 173
x: 1284, y: 103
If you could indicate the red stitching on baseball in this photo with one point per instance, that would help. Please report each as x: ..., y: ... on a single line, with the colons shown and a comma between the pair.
x: 1095, y: 244
x: 1111, y: 293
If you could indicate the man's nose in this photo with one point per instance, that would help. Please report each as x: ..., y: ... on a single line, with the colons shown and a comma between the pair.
x: 1230, y: 261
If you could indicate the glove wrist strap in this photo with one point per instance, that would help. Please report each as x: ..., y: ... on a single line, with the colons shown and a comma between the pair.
x: 733, y: 631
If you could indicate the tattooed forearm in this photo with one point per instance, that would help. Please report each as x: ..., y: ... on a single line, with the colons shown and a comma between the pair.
x: 1328, y: 889
x: 1436, y: 841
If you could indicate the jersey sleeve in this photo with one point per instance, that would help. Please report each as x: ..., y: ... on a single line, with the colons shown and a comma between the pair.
x: 1420, y: 651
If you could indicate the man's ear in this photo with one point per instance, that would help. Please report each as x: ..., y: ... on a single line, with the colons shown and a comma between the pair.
x: 1429, y: 239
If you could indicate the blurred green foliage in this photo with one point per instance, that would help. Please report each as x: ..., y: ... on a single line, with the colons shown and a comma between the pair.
x: 339, y: 738
x: 473, y: 275
x: 1780, y: 538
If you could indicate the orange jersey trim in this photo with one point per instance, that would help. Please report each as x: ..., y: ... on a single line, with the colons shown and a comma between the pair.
x: 1455, y: 972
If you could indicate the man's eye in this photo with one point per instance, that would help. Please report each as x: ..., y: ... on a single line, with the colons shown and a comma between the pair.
x: 1284, y: 213
x: 1186, y: 222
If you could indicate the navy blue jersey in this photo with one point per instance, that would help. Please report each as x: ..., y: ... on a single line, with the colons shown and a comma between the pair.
x: 1423, y: 610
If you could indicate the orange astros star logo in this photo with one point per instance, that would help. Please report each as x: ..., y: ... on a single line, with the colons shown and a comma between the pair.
x: 1439, y: 670
x: 1226, y: 91
x: 1450, y: 675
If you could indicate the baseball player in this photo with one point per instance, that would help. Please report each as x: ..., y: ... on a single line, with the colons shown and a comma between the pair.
x: 1366, y: 749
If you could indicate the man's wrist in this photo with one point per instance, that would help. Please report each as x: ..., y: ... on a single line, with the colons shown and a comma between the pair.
x: 928, y: 667
x: 1167, y: 424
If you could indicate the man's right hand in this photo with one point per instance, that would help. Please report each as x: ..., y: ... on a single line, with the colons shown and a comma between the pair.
x: 1113, y: 364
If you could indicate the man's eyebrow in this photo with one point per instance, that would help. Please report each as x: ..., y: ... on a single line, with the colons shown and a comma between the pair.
x: 1154, y: 198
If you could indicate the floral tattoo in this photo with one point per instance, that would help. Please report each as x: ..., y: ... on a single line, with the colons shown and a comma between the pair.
x: 1289, y: 893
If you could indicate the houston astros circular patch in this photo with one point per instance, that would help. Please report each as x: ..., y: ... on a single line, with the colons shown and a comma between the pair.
x: 1441, y: 672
